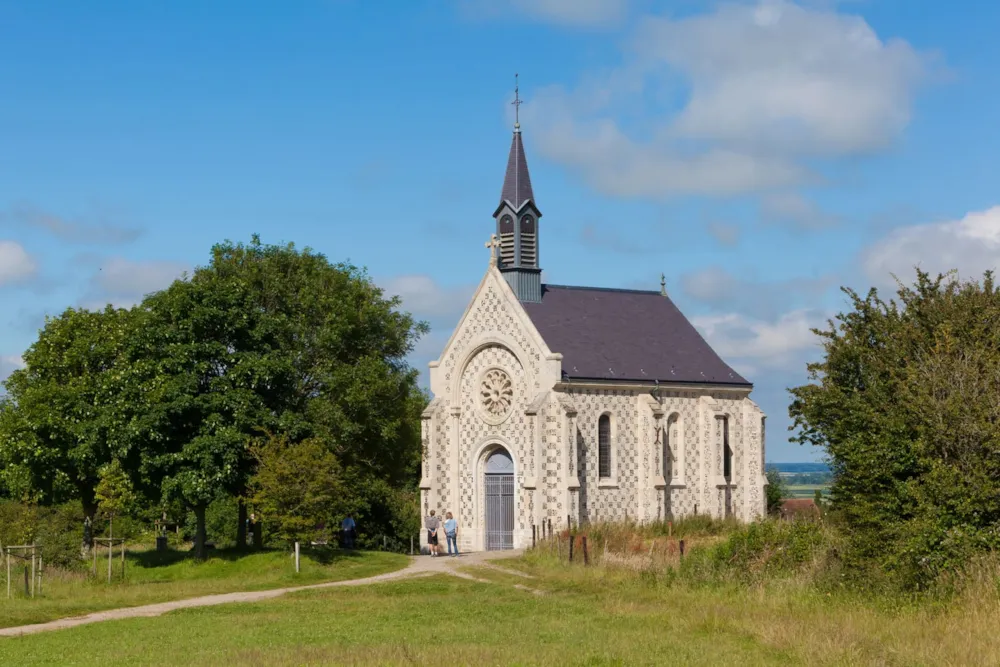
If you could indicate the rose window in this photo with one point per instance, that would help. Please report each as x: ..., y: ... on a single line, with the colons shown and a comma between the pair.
x: 497, y: 393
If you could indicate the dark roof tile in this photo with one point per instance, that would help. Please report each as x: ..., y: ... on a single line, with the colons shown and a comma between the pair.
x: 609, y: 334
x: 517, y: 180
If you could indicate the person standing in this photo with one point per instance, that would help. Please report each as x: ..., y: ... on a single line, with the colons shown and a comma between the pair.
x: 432, y: 523
x: 451, y: 533
x: 347, y: 528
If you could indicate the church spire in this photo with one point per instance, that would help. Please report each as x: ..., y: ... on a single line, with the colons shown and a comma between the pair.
x: 517, y: 181
x: 517, y: 219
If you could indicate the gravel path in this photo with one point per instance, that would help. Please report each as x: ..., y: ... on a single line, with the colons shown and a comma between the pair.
x: 420, y: 566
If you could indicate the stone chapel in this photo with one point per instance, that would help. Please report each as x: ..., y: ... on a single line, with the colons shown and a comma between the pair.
x: 579, y: 404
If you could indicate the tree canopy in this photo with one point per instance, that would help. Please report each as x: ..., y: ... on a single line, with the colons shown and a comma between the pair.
x: 906, y: 404
x: 57, y: 422
x: 180, y: 388
x: 297, y: 488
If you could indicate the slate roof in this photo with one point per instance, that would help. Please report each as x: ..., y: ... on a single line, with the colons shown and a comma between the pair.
x: 613, y: 334
x: 517, y: 181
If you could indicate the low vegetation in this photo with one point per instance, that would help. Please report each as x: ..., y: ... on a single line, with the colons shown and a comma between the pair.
x: 741, y: 595
x: 152, y: 577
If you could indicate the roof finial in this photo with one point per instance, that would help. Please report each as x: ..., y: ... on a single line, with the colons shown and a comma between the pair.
x: 663, y: 284
x: 517, y: 105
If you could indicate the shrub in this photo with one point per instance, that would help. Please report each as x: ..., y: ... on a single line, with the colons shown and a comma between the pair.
x: 759, y: 551
x: 57, y: 530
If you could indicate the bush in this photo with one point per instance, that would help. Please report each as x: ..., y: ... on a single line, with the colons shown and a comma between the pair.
x: 759, y: 551
x: 775, y: 491
x: 57, y: 530
x: 905, y: 404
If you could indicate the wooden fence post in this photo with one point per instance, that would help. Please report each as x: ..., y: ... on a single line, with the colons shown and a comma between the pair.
x: 296, y: 556
x: 571, y: 541
x: 682, y: 548
x: 586, y: 558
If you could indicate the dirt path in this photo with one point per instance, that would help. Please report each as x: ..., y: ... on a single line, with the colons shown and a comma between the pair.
x: 420, y: 566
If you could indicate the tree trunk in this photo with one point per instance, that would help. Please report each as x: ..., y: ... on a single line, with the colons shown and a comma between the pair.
x: 241, y: 527
x: 199, y: 533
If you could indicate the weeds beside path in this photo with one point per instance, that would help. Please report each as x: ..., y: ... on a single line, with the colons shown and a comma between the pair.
x: 156, y: 578
x: 421, y: 566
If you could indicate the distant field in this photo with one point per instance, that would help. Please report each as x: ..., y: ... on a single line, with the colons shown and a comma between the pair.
x: 806, y: 490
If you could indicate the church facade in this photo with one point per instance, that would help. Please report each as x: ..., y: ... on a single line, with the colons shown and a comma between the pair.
x: 577, y: 404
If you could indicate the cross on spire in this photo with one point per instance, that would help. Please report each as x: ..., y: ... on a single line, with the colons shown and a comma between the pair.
x: 517, y: 106
x: 493, y: 244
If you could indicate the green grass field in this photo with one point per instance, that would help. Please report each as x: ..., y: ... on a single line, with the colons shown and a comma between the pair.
x: 158, y: 577
x: 805, y: 490
x: 592, y: 616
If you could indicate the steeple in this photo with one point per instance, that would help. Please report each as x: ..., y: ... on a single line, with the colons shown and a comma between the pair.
x: 517, y: 220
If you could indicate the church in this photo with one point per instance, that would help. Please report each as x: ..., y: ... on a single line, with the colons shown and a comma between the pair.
x: 572, y: 405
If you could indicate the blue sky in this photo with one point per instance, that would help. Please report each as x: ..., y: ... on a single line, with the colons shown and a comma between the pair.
x: 760, y: 154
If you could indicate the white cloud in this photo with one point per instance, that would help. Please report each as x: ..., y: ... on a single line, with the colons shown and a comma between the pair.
x: 745, y: 294
x: 733, y: 101
x: 791, y: 208
x: 124, y: 282
x: 780, y: 344
x: 726, y: 234
x: 16, y: 265
x: 561, y: 12
x: 9, y: 364
x: 970, y: 245
x: 426, y: 299
x: 98, y: 231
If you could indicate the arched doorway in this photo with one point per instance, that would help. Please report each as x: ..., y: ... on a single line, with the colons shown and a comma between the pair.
x: 499, y: 488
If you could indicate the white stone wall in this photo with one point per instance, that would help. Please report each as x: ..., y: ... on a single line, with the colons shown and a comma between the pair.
x: 666, y: 460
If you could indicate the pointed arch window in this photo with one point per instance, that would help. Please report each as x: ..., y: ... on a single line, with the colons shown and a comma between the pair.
x: 727, y: 452
x: 604, y: 446
x: 673, y: 450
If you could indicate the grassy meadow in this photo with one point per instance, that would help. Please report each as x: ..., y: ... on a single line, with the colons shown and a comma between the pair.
x: 636, y: 604
x: 152, y: 577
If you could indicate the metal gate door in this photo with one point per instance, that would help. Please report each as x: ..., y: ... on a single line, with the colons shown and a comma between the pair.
x: 499, y: 512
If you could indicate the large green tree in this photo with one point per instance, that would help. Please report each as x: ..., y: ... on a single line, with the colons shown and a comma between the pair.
x: 271, y: 338
x: 57, y: 422
x: 906, y: 403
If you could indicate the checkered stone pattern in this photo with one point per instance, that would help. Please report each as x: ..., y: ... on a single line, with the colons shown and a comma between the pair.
x: 442, y: 462
x: 473, y: 429
x: 552, y: 430
x: 754, y: 449
x: 609, y: 504
x: 681, y: 415
x: 490, y: 314
x: 733, y: 405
